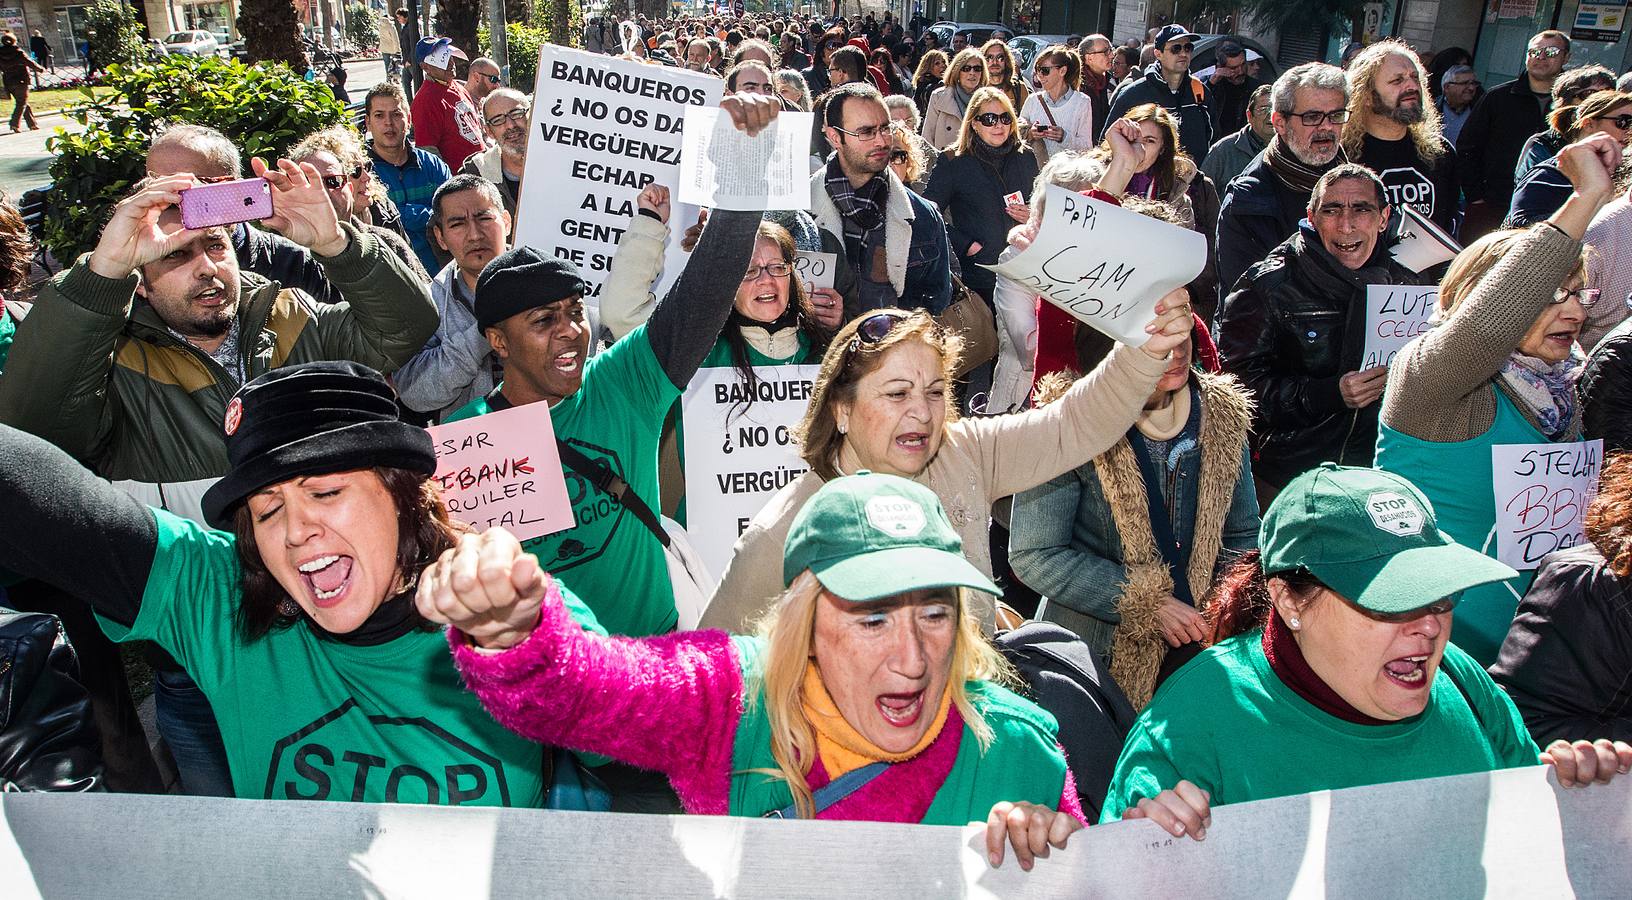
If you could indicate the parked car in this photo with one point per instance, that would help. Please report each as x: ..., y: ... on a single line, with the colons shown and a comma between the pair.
x: 976, y: 33
x: 1206, y: 53
x: 1026, y: 47
x: 191, y: 43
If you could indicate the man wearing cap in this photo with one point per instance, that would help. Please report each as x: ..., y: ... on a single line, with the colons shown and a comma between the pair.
x: 1167, y: 82
x: 445, y: 120
x: 610, y: 408
x: 1232, y: 87
x: 128, y: 360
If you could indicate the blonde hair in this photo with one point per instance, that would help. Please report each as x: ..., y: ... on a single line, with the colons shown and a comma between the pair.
x: 907, y: 139
x: 789, y: 630
x: 966, y: 56
x: 983, y: 96
x: 1570, y: 121
x: 849, y: 359
x: 927, y: 64
x: 1425, y: 135
x: 1475, y: 263
x: 342, y: 141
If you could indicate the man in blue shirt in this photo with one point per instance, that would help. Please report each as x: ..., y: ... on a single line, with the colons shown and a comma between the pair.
x: 410, y: 175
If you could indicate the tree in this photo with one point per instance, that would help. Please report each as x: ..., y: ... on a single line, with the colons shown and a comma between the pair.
x: 115, y: 34
x: 361, y: 28
x: 271, y: 31
x: 458, y: 19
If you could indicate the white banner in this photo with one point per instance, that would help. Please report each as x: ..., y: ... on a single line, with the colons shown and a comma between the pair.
x: 1105, y: 265
x: 1542, y: 492
x: 1507, y: 834
x: 1395, y: 313
x: 603, y: 129
x: 738, y: 455
x: 723, y: 168
x: 1422, y: 244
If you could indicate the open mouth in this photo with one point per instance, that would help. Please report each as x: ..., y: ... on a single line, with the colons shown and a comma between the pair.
x: 566, y: 363
x: 914, y: 442
x: 327, y: 578
x: 1564, y: 338
x: 901, y: 710
x: 214, y: 296
x: 1353, y: 247
x: 1410, y: 672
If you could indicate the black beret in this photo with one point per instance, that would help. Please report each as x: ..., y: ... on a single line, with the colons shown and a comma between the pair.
x: 521, y: 279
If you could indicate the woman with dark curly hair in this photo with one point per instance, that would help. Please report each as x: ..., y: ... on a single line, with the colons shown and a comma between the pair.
x: 1565, y: 659
x: 294, y: 612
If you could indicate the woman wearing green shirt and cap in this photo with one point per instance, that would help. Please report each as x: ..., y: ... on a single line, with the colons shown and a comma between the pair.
x: 1331, y: 667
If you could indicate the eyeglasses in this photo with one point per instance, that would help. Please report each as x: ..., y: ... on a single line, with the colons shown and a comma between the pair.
x: 364, y: 168
x: 1096, y: 52
x: 1314, y: 117
x: 1180, y: 48
x: 1044, y: 70
x: 898, y: 156
x: 1545, y: 52
x: 1472, y: 83
x: 1622, y: 121
x: 1587, y: 297
x: 776, y: 270
x: 992, y: 120
x: 867, y: 133
x: 517, y: 115
x: 333, y: 182
x: 972, y: 67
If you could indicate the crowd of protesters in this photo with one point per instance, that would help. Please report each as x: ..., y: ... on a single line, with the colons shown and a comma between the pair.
x: 213, y: 441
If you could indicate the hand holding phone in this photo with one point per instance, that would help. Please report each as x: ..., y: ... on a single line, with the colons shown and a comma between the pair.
x: 302, y: 213
x: 143, y: 228
x: 226, y: 203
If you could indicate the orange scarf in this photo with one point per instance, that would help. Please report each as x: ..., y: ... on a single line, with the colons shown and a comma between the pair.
x: 839, y: 745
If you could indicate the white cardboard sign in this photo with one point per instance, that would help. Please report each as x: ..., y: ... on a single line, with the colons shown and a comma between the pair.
x: 1105, y: 265
x: 1542, y: 492
x: 603, y: 128
x: 815, y: 268
x: 1395, y: 313
x: 738, y: 456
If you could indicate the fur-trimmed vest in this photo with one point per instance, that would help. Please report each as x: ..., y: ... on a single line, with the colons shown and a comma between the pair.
x: 1138, y: 648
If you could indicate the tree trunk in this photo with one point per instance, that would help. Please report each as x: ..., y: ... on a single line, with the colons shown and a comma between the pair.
x: 561, y: 22
x: 457, y: 19
x: 271, y: 32
x: 518, y: 11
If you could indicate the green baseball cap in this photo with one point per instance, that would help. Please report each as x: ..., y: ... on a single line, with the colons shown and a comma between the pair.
x: 868, y: 536
x: 1370, y: 536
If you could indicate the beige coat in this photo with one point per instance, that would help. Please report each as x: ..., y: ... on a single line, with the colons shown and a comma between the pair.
x: 981, y: 460
x: 942, y: 119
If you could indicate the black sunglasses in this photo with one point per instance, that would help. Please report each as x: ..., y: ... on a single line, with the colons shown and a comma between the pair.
x: 1622, y: 121
x: 1181, y: 48
x: 365, y: 168
x: 334, y: 182
x: 898, y: 156
x: 972, y: 67
x: 992, y: 120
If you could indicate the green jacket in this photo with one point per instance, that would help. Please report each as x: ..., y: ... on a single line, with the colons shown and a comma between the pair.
x: 98, y: 374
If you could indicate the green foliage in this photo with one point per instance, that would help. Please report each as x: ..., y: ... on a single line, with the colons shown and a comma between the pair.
x: 362, y: 28
x: 525, y: 42
x: 264, y: 109
x: 117, y: 37
x: 1291, y: 17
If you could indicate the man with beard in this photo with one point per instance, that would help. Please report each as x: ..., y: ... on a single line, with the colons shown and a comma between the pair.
x: 858, y: 199
x: 1264, y: 204
x: 1394, y: 131
x: 506, y: 114
x: 468, y: 220
x: 130, y: 357
x: 1502, y: 121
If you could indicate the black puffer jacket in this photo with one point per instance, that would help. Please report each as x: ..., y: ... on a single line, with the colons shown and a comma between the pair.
x: 1293, y: 326
x: 1606, y: 390
x: 48, y: 738
x: 1567, y: 655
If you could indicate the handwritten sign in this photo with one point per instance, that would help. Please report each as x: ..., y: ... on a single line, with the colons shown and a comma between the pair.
x: 1542, y: 492
x: 723, y: 168
x: 815, y: 269
x: 603, y: 129
x: 738, y: 455
x: 1105, y: 265
x: 1395, y: 313
x: 503, y: 469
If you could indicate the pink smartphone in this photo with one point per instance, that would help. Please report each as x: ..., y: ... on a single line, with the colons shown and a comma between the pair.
x: 226, y: 203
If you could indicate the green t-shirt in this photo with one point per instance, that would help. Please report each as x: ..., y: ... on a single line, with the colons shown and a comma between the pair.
x: 1023, y: 762
x: 1227, y: 723
x: 308, y: 718
x: 8, y: 331
x: 609, y: 558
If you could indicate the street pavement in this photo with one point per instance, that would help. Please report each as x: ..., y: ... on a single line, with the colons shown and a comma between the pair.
x: 24, y: 158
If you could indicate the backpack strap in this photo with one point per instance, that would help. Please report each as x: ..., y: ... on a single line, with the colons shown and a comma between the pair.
x: 834, y: 791
x: 607, y: 482
x: 1198, y: 91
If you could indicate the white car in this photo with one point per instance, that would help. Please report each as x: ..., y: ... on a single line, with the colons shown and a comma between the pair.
x: 191, y: 43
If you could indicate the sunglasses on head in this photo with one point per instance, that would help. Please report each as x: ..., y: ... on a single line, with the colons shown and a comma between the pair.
x: 875, y: 328
x: 992, y: 120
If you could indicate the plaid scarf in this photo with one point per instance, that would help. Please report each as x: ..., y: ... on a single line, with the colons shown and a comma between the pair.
x: 862, y: 210
x: 1296, y: 174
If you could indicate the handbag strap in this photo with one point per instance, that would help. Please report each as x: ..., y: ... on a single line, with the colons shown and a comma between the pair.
x: 834, y: 791
x: 600, y: 474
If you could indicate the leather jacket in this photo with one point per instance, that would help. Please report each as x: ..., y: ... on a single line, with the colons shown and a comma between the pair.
x: 48, y: 737
x: 1294, y: 325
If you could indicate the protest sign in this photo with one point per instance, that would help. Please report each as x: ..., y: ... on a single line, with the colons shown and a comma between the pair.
x: 1105, y: 265
x: 815, y: 269
x: 738, y: 454
x: 603, y: 129
x: 1422, y: 244
x: 503, y: 469
x: 1542, y: 492
x: 1511, y: 833
x: 723, y: 168
x: 1395, y: 313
